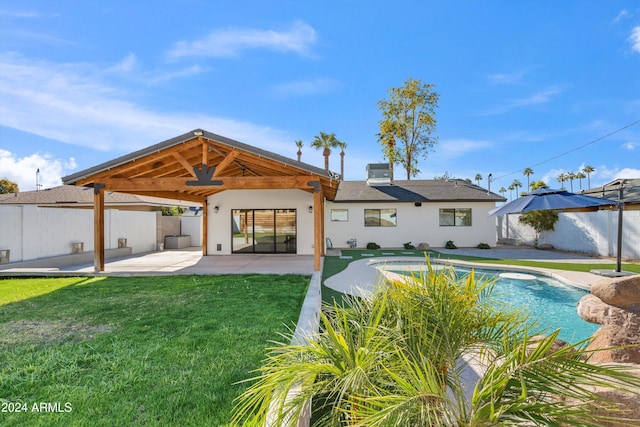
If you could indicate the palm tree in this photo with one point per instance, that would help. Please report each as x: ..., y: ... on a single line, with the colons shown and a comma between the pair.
x: 478, y: 178
x: 342, y: 146
x: 325, y: 141
x: 394, y: 358
x: 580, y: 176
x: 511, y: 188
x: 561, y: 179
x: 527, y: 172
x: 571, y: 176
x: 502, y: 191
x: 588, y: 170
x: 538, y: 184
x: 516, y: 184
x: 299, y: 144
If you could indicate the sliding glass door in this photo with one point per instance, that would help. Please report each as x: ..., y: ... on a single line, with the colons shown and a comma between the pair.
x: 263, y: 231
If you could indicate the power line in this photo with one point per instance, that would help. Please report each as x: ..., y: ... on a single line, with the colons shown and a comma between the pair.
x: 572, y: 150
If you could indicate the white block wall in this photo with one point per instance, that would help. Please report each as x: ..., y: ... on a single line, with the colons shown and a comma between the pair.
x: 586, y: 232
x: 415, y: 224
x: 33, y: 233
x: 192, y: 226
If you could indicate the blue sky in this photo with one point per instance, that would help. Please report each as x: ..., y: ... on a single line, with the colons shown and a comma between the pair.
x: 522, y: 84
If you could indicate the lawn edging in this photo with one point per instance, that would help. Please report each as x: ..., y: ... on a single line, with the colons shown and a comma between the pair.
x: 308, y: 325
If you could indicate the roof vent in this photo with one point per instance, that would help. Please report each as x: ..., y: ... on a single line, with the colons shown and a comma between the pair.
x: 378, y: 174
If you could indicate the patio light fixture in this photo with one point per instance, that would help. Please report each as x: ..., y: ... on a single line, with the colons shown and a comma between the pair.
x: 216, y: 209
x: 310, y: 209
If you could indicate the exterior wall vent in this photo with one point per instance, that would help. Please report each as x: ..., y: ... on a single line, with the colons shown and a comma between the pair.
x: 378, y: 174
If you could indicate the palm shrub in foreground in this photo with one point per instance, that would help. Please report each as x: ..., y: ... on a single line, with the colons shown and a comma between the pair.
x: 395, y: 359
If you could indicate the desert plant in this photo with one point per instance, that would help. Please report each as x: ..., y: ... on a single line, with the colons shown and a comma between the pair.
x: 408, y: 245
x: 542, y: 220
x: 450, y: 245
x: 395, y: 359
x: 373, y: 246
x: 483, y: 246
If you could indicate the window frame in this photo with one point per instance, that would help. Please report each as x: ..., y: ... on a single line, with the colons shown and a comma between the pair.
x: 460, y: 217
x: 393, y: 213
x: 344, y: 211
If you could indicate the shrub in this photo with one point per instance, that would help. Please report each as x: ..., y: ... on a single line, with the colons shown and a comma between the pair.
x: 373, y: 245
x: 483, y: 246
x: 408, y: 245
x: 450, y: 245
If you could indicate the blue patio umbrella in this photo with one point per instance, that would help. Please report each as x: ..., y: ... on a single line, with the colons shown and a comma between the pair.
x: 550, y: 199
x: 561, y: 200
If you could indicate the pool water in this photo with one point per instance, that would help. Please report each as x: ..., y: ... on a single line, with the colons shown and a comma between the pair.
x: 550, y: 301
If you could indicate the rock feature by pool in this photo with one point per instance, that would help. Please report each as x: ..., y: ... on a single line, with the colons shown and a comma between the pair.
x: 615, y: 304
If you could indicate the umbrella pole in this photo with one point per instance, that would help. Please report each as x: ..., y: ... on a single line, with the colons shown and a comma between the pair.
x: 620, y: 209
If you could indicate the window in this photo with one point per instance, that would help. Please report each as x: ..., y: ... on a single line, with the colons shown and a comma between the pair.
x: 380, y: 218
x: 341, y: 215
x: 455, y: 217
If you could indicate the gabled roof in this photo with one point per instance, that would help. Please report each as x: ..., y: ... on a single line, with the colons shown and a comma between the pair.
x: 72, y: 196
x: 170, y: 169
x: 415, y: 191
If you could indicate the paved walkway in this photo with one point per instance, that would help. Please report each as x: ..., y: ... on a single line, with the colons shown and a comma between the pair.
x: 361, y: 276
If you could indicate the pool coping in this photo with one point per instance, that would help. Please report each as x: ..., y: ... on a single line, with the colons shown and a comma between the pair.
x: 361, y: 276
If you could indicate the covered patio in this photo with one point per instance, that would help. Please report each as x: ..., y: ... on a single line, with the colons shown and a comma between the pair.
x: 197, y: 166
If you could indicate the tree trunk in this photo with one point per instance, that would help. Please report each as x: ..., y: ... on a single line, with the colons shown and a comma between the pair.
x: 342, y: 165
x: 299, y: 154
x: 326, y: 153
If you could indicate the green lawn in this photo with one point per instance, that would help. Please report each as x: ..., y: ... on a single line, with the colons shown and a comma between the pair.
x: 153, y: 351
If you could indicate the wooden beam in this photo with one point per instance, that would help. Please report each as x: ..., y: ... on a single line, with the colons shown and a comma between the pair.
x: 205, y: 227
x: 205, y: 151
x: 240, y: 165
x: 188, y: 166
x: 98, y: 228
x: 228, y: 183
x: 226, y: 162
x: 317, y: 229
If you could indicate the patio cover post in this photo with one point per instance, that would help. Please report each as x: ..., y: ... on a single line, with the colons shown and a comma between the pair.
x: 98, y: 227
x: 318, y: 226
x: 620, y: 209
x: 205, y: 226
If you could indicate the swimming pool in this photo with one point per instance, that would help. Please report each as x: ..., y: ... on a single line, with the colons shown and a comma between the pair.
x: 550, y: 301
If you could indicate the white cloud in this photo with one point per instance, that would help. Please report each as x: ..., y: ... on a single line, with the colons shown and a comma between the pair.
x: 306, y: 87
x: 127, y: 64
x: 634, y: 39
x: 452, y: 148
x: 230, y: 42
x: 624, y: 13
x: 542, y: 97
x: 631, y: 145
x: 507, y: 78
x: 22, y: 170
x: 71, y: 103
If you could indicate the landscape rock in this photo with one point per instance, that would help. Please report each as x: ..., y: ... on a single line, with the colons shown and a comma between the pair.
x: 615, y: 304
x: 620, y: 292
x: 423, y: 246
x: 593, y: 309
x: 546, y: 247
x: 627, y: 401
x: 609, y: 336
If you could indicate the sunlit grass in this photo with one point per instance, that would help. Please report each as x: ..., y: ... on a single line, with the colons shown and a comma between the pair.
x: 152, y: 351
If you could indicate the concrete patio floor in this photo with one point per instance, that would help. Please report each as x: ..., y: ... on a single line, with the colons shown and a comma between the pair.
x: 182, y: 261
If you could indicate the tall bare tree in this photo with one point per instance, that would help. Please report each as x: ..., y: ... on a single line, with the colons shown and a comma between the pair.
x: 408, y: 124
